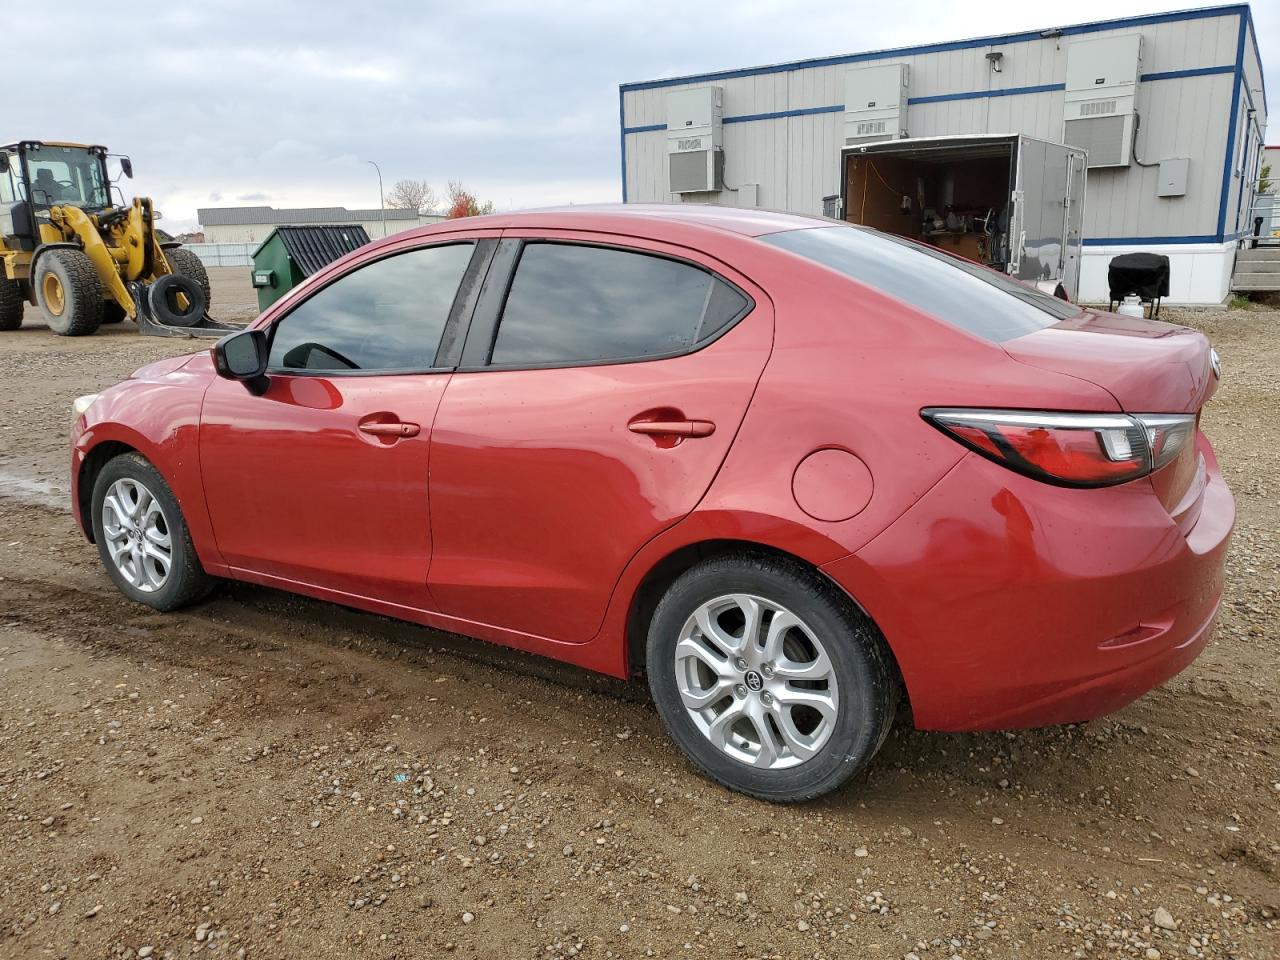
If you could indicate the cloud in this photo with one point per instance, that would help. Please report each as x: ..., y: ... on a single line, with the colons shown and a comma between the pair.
x: 288, y: 100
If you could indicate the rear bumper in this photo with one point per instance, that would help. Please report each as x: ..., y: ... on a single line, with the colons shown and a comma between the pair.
x: 1010, y: 603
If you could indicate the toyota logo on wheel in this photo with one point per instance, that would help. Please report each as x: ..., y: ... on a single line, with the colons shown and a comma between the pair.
x: 754, y: 681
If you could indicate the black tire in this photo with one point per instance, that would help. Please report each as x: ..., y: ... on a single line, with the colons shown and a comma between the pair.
x: 112, y: 312
x: 187, y: 581
x: 867, y: 682
x: 162, y: 299
x: 81, y: 292
x: 12, y: 303
x: 189, y: 265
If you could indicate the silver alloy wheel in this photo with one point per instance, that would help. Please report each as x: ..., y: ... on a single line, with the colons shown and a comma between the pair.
x: 757, y: 681
x: 137, y: 534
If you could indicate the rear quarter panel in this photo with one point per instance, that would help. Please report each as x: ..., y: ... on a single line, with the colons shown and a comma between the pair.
x: 850, y: 370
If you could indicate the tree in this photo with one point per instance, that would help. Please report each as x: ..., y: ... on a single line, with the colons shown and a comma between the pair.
x: 1264, y: 182
x: 464, y: 204
x: 412, y: 195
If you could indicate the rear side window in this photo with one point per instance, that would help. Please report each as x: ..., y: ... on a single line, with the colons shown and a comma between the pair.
x: 578, y: 304
x: 385, y: 315
x: 982, y: 302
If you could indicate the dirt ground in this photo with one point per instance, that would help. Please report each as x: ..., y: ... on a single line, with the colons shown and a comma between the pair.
x: 270, y: 777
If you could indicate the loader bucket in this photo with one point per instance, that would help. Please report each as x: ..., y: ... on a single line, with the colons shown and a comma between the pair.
x: 195, y: 324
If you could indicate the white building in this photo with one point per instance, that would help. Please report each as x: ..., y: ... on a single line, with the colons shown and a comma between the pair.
x: 252, y: 225
x: 1183, y: 87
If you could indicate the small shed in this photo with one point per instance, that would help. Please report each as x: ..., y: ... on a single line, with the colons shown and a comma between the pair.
x: 291, y: 254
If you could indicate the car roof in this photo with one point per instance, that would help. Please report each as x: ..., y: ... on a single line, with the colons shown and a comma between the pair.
x: 642, y: 218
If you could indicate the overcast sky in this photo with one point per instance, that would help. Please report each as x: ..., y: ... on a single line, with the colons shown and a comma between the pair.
x: 238, y: 102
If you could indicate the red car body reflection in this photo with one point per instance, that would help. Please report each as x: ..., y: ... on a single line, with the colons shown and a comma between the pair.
x: 529, y: 510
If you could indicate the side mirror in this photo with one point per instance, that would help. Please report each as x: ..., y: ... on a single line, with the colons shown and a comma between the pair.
x: 243, y: 356
x: 126, y: 167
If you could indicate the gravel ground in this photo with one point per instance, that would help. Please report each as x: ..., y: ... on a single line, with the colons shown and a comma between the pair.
x: 268, y: 776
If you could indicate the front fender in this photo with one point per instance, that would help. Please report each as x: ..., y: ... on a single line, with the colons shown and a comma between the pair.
x: 160, y: 419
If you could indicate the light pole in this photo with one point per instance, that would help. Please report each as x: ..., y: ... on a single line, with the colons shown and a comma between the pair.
x: 382, y: 204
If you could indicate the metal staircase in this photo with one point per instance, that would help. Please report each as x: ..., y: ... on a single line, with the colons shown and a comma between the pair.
x: 1257, y: 270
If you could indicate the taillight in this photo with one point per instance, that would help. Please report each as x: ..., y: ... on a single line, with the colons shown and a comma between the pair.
x: 1070, y: 449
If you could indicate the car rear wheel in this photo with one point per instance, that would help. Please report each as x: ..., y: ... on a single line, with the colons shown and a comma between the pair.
x: 143, y: 538
x: 769, y: 678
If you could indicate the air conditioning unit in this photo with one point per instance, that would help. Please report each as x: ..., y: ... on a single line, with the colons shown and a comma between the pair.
x: 875, y: 103
x: 1102, y: 87
x: 695, y: 144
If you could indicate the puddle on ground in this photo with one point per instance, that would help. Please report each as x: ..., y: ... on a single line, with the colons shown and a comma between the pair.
x: 32, y: 490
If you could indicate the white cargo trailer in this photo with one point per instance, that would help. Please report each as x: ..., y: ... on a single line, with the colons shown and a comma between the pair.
x: 1012, y: 202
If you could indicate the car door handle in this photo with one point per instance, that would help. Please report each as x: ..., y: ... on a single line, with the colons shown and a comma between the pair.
x: 395, y: 429
x: 673, y: 428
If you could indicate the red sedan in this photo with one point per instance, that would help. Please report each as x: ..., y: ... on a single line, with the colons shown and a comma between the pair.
x: 793, y: 471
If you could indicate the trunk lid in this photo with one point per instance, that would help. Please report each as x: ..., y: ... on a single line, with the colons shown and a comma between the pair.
x: 1149, y: 367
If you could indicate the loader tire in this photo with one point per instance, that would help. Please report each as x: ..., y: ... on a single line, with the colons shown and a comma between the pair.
x: 112, y: 312
x: 69, y: 292
x: 189, y: 265
x: 11, y: 303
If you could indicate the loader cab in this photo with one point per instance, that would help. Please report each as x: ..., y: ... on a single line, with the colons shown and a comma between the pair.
x: 16, y: 227
x: 55, y: 173
x: 35, y: 176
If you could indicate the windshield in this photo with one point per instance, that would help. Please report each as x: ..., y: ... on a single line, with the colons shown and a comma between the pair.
x: 71, y: 175
x: 983, y: 302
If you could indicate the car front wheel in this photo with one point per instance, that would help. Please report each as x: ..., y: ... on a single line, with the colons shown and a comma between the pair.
x: 142, y: 536
x: 769, y: 678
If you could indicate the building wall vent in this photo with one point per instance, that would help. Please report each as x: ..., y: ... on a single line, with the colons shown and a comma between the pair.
x: 697, y: 171
x: 1104, y: 137
x: 1096, y: 108
x: 695, y: 144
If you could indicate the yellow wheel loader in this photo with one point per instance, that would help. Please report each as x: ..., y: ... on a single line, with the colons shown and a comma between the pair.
x: 68, y: 247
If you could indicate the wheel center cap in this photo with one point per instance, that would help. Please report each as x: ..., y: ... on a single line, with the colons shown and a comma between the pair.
x: 754, y: 681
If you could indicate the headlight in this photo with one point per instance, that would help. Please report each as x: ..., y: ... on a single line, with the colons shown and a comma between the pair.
x: 80, y: 404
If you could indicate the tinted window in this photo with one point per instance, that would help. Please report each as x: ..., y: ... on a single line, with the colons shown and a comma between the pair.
x: 575, y: 304
x: 7, y: 192
x: 983, y: 302
x: 388, y: 315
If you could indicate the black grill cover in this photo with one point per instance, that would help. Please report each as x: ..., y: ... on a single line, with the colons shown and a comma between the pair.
x: 1146, y: 274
